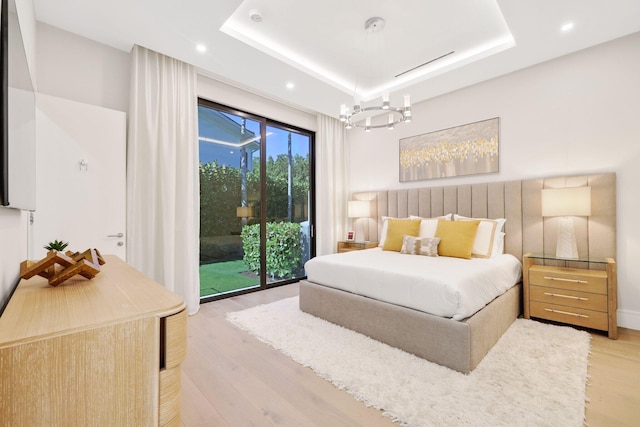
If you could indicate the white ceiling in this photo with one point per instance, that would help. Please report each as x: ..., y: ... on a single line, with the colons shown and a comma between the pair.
x: 322, y: 48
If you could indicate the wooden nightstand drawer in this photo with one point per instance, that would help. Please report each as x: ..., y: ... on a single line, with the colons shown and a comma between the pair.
x: 577, y: 296
x: 568, y: 278
x: 569, y: 298
x: 572, y: 315
x: 355, y: 246
x: 349, y: 249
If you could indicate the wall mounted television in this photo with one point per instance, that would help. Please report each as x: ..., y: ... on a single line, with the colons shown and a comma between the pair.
x: 17, y: 138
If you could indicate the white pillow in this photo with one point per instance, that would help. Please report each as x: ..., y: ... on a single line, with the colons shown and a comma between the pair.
x: 487, y: 240
x: 428, y: 226
x: 498, y: 246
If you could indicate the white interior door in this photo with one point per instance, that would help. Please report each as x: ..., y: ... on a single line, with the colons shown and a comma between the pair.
x: 81, y: 177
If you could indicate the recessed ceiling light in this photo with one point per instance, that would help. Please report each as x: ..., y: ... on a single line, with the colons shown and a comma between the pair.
x: 290, y: 85
x: 255, y: 15
x: 201, y: 48
x: 567, y: 27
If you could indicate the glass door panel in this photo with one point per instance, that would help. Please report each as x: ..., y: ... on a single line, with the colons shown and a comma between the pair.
x: 287, y: 200
x: 230, y: 200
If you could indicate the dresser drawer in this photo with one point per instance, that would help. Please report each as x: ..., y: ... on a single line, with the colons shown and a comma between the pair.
x: 569, y: 298
x: 594, y: 281
x: 169, y: 402
x: 571, y: 315
x: 174, y: 339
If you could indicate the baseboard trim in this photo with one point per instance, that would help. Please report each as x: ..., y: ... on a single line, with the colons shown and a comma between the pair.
x: 629, y: 319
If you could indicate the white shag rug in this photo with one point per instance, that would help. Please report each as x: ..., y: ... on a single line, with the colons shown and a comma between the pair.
x: 534, y: 376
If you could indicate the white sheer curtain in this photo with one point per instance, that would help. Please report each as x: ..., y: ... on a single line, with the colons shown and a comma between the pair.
x: 162, y: 173
x: 332, y: 184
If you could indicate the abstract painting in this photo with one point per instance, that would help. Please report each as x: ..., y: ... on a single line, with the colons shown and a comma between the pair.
x: 462, y: 150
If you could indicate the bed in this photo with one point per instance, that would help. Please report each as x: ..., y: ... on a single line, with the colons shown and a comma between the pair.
x: 460, y: 343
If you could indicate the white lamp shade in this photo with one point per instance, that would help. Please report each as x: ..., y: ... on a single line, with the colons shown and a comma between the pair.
x: 359, y: 209
x: 572, y: 201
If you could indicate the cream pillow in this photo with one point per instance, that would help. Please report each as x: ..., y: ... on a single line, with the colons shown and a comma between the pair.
x: 397, y: 228
x: 428, y: 225
x: 427, y: 246
x: 487, y: 241
x: 456, y: 237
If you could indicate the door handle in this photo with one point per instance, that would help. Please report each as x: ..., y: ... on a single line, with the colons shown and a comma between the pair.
x: 116, y: 235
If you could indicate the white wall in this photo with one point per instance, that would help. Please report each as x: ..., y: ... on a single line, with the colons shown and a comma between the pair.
x: 573, y: 115
x: 79, y: 69
x: 13, y: 223
x: 72, y: 67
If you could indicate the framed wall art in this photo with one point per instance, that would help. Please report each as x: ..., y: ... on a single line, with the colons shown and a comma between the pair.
x: 462, y: 150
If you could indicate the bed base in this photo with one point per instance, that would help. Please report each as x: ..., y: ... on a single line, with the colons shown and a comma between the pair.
x: 459, y: 345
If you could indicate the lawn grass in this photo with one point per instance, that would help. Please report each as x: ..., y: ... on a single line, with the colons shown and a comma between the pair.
x: 225, y: 276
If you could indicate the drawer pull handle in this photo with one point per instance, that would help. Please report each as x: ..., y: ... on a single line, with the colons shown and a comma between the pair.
x: 551, y: 294
x: 566, y: 312
x: 560, y: 279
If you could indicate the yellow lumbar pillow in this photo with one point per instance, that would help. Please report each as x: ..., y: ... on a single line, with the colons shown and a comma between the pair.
x: 456, y: 238
x: 398, y: 228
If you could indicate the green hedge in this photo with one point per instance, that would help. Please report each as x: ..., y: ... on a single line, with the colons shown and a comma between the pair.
x: 283, y: 248
x: 219, y: 197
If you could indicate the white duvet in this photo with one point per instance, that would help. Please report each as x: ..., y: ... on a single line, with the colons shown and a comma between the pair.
x: 443, y: 286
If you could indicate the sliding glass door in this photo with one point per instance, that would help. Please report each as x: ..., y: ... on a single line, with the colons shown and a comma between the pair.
x: 256, y: 187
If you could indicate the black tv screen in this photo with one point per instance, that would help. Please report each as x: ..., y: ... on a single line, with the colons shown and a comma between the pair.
x: 17, y: 138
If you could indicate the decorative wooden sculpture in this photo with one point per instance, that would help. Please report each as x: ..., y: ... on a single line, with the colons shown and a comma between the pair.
x: 58, y: 267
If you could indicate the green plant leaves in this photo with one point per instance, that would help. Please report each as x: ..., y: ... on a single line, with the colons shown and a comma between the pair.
x: 57, y: 245
x: 283, y: 248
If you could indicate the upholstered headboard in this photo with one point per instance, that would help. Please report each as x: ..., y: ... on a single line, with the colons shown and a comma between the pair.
x: 517, y: 201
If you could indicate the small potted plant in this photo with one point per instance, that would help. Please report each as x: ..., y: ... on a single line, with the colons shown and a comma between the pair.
x: 57, y: 245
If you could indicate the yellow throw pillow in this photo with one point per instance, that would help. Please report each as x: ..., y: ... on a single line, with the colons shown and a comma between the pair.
x: 456, y: 238
x: 398, y: 228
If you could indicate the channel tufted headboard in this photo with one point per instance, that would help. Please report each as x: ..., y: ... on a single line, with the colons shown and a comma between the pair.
x: 517, y: 201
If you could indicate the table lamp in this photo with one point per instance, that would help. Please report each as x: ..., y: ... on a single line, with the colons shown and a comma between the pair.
x: 565, y: 203
x: 359, y: 209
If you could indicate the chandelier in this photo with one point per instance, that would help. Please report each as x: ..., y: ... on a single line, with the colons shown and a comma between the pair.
x: 382, y: 115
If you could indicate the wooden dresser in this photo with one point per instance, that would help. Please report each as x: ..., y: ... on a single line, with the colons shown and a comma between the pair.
x: 105, y: 351
x: 577, y: 295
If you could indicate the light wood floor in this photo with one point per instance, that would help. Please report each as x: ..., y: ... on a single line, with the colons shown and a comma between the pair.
x: 231, y: 379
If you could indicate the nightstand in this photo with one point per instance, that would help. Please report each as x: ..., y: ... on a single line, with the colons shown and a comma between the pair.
x: 345, y: 246
x: 577, y: 295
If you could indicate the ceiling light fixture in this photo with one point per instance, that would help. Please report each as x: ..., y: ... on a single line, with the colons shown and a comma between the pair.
x: 201, y: 48
x: 372, y: 117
